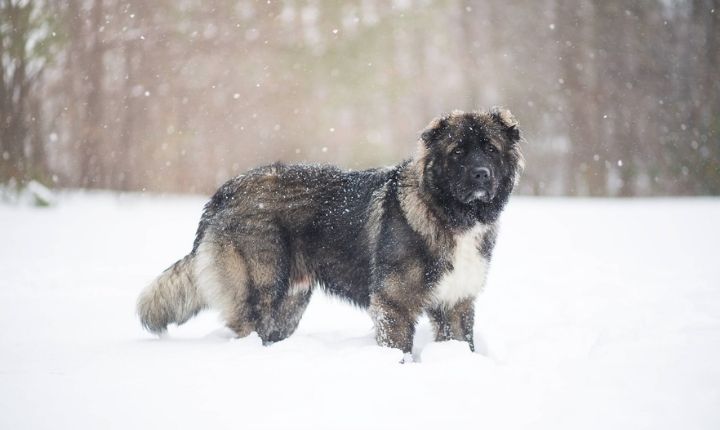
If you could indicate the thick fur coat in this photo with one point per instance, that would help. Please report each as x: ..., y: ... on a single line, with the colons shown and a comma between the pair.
x: 402, y: 241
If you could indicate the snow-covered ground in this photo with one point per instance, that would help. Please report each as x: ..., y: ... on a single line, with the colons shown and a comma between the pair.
x: 598, y: 315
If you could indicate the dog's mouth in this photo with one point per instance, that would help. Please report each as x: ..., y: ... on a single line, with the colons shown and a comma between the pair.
x: 481, y: 195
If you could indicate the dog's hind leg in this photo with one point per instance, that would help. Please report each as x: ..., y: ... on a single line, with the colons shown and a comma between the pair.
x: 222, y: 275
x: 251, y: 279
x: 286, y: 315
x: 268, y: 300
x: 289, y: 308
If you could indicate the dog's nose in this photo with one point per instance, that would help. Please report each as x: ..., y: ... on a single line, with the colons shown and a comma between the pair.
x: 481, y: 174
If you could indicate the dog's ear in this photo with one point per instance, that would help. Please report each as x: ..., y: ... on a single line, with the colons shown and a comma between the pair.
x: 433, y: 130
x: 506, y: 119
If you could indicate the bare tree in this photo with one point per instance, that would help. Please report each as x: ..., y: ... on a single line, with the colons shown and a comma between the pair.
x: 26, y: 44
x: 615, y: 98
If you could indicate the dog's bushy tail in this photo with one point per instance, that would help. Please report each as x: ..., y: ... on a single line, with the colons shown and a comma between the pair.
x: 171, y: 298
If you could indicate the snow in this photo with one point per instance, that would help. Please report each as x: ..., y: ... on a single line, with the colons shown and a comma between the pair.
x: 597, y: 314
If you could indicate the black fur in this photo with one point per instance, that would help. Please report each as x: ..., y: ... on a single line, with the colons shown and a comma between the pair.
x: 379, y: 238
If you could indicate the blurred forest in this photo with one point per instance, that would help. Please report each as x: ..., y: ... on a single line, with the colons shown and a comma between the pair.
x: 616, y: 98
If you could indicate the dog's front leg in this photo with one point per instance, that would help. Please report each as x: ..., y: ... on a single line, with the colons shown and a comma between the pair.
x: 454, y: 322
x: 394, y: 321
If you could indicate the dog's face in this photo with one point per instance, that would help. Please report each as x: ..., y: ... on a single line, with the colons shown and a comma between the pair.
x: 473, y: 157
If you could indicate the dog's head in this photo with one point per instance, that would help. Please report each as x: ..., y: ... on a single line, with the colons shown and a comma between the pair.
x: 472, y: 158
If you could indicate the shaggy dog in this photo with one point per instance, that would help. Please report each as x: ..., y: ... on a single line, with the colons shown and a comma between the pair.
x: 400, y: 241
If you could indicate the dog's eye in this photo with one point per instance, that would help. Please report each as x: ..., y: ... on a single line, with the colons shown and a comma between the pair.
x: 491, y: 149
x: 458, y: 151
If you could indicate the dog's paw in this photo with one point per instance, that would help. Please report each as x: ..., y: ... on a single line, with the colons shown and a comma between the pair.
x: 407, y: 358
x: 451, y: 351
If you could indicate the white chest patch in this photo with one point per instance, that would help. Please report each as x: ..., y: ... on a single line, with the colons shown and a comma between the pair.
x: 469, y: 270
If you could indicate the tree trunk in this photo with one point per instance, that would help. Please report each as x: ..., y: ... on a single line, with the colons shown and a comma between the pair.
x: 92, y: 150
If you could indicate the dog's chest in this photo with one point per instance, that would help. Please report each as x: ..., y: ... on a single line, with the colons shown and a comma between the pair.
x: 466, y: 277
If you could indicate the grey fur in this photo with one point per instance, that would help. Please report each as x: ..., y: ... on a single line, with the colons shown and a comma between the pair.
x: 171, y: 298
x: 416, y: 238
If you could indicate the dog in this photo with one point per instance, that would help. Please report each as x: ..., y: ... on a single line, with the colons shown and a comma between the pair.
x: 402, y: 241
